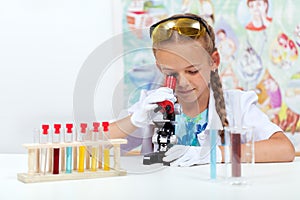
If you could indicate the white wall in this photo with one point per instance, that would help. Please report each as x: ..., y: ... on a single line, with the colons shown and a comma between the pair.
x: 43, y: 44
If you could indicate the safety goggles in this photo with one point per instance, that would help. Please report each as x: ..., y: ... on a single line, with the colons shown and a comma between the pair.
x: 190, y: 26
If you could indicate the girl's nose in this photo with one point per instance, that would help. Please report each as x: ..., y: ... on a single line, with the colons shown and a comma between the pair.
x: 182, y: 81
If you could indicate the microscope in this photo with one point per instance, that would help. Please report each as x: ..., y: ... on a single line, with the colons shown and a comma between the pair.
x: 164, y: 136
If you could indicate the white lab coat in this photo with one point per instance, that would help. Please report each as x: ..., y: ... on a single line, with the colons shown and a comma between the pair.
x: 241, y: 111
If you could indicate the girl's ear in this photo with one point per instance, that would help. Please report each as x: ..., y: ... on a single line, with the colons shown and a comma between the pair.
x: 216, y: 60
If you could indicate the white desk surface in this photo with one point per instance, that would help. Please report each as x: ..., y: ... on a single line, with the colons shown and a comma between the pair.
x: 268, y: 181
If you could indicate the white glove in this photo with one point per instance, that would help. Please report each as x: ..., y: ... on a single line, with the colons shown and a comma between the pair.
x: 144, y: 114
x: 185, y: 156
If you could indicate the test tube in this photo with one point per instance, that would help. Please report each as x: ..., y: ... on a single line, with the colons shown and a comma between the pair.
x: 213, y: 154
x: 100, y: 152
x: 75, y: 149
x: 36, y: 140
x: 62, y: 153
x: 68, y: 139
x: 88, y: 151
x: 236, y: 154
x: 106, y: 137
x: 81, y: 138
x: 95, y: 149
x: 56, y: 139
x: 236, y: 139
x: 43, y: 140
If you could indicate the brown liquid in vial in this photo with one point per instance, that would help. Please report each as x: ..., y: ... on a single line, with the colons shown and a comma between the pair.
x: 236, y: 154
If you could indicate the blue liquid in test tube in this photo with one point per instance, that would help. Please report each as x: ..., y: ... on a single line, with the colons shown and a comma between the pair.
x: 213, y: 154
x: 69, y: 160
x: 69, y: 139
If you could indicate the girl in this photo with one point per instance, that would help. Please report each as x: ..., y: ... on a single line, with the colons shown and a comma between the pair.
x: 184, y: 46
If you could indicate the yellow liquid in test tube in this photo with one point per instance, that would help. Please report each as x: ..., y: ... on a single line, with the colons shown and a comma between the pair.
x: 81, y: 159
x: 106, y: 137
x: 82, y: 137
x: 95, y: 149
x: 94, y: 158
x: 106, y: 160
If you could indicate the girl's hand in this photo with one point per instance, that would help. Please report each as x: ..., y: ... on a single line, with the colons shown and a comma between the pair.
x: 185, y: 156
x: 144, y: 114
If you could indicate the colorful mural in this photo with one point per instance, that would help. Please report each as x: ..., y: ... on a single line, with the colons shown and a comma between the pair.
x: 258, y: 41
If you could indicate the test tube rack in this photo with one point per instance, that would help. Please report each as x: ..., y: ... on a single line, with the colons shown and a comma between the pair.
x: 35, y: 175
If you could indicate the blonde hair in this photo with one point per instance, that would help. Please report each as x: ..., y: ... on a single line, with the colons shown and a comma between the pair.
x: 208, y: 43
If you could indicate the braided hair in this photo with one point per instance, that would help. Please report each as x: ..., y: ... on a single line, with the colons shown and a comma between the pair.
x: 208, y: 42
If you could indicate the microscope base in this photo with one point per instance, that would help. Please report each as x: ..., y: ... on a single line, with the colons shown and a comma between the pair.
x: 155, y: 157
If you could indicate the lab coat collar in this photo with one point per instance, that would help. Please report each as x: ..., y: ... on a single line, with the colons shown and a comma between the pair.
x: 214, y: 121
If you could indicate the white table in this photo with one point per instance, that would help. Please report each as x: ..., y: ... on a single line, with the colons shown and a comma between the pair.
x: 269, y: 181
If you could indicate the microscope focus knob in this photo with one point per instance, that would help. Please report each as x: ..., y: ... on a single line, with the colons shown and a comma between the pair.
x: 155, y: 138
x: 173, y: 139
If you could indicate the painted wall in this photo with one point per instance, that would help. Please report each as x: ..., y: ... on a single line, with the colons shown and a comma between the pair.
x: 43, y: 45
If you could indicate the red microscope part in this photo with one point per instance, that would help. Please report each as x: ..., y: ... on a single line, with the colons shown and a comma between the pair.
x: 167, y: 106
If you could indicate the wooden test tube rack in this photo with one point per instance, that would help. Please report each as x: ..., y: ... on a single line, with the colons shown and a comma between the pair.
x: 33, y: 176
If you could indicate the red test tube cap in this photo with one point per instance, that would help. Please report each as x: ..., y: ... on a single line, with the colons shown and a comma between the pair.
x: 83, y: 127
x: 69, y: 128
x: 96, y: 126
x: 45, y: 128
x: 105, y: 126
x: 57, y: 128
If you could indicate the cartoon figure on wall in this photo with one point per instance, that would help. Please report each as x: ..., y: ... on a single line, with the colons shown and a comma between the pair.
x: 226, y: 43
x: 259, y: 19
x: 250, y: 67
x: 284, y: 51
x: 269, y: 97
x: 226, y: 46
